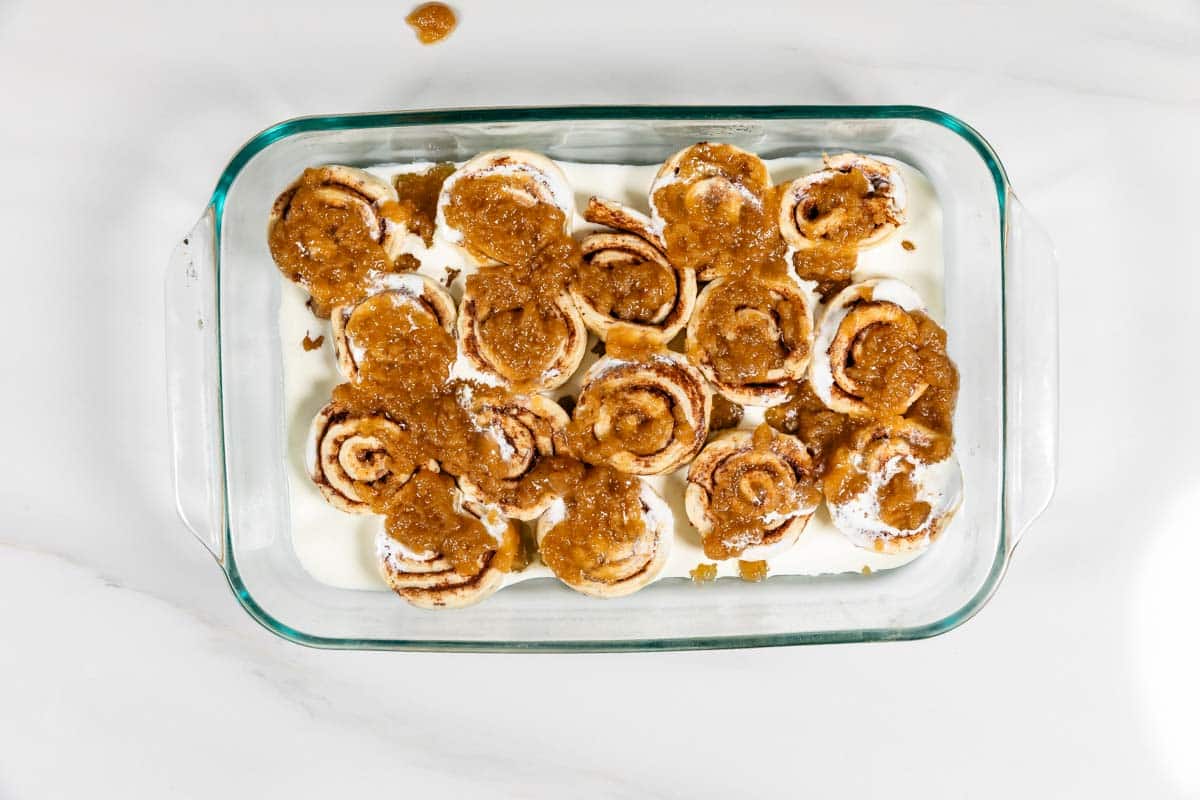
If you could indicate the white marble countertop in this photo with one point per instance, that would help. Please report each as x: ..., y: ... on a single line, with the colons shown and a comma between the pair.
x: 127, y: 669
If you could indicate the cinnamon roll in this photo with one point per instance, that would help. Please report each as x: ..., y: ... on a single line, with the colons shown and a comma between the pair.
x: 334, y: 231
x: 391, y: 319
x: 626, y: 279
x: 716, y: 210
x: 750, y: 494
x: 752, y: 338
x: 609, y: 537
x: 854, y: 200
x: 528, y: 430
x: 352, y: 458
x: 503, y: 206
x: 877, y: 351
x: 519, y: 333
x: 438, y: 550
x: 644, y: 416
x: 893, y: 486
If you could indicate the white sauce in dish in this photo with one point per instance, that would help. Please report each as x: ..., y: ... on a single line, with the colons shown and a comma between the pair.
x: 339, y: 549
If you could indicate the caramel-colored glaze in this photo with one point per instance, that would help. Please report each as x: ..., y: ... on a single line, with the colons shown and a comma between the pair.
x: 725, y: 414
x: 423, y: 517
x: 907, y: 245
x: 604, y: 518
x: 711, y: 229
x: 806, y: 417
x: 843, y: 209
x: 746, y: 330
x: 520, y: 321
x: 638, y: 416
x: 403, y: 345
x: 418, y: 192
x: 829, y: 265
x: 500, y: 217
x: 752, y: 571
x: 628, y: 289
x: 630, y: 344
x: 898, y: 503
x: 892, y: 361
x: 432, y: 22
x: 750, y: 487
x: 327, y: 248
x: 704, y: 573
x: 309, y: 344
x: 844, y: 479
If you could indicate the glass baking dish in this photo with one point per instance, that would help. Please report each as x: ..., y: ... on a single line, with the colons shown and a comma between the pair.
x: 225, y: 387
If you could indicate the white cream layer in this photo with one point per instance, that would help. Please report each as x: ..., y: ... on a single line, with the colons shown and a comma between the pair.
x: 340, y: 549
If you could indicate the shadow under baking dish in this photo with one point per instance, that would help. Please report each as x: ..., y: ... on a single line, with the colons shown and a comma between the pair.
x: 229, y: 429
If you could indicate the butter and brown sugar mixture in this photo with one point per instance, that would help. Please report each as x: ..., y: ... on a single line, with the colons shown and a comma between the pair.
x: 423, y: 517
x: 403, y: 346
x: 753, y: 492
x: 601, y: 529
x: 504, y: 217
x: 843, y: 210
x: 807, y: 418
x: 432, y: 22
x: 703, y: 573
x: 720, y: 212
x: 521, y: 324
x: 748, y: 329
x: 418, y: 193
x: 753, y: 571
x: 725, y: 414
x: 893, y: 358
x: 328, y: 239
x: 831, y: 266
x: 628, y: 289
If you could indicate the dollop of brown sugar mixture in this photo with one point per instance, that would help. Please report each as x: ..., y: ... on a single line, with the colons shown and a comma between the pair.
x: 747, y: 329
x: 432, y: 22
x: 721, y: 213
x: 329, y: 247
x: 521, y: 324
x: 628, y: 289
x: 600, y: 531
x: 501, y: 217
x: 749, y: 488
x: 418, y: 192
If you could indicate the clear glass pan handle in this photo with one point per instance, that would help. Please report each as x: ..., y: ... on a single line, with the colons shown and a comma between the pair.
x: 192, y: 384
x: 1031, y: 300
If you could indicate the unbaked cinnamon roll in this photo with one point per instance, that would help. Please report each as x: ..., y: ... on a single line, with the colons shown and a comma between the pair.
x: 334, y: 231
x: 529, y: 430
x: 626, y: 279
x: 854, y: 200
x: 893, y: 486
x: 353, y: 458
x: 392, y: 320
x: 609, y: 537
x: 715, y: 207
x: 877, y: 351
x: 503, y: 206
x: 750, y: 494
x: 752, y: 338
x: 518, y: 332
x: 644, y: 416
x: 438, y: 550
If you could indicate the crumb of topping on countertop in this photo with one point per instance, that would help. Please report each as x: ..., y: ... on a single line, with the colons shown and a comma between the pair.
x: 703, y: 573
x: 907, y: 245
x: 309, y: 344
x: 433, y: 22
